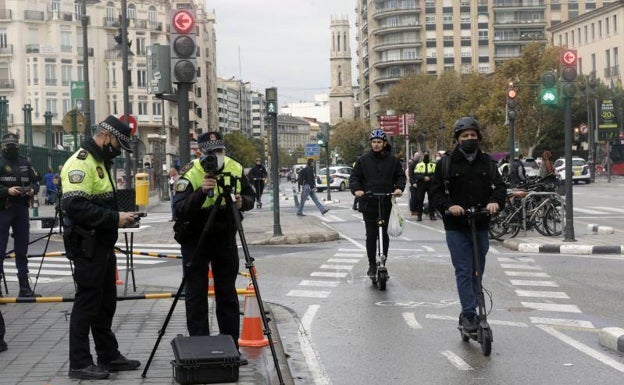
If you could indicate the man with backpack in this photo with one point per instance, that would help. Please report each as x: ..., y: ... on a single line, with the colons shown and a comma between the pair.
x: 466, y: 179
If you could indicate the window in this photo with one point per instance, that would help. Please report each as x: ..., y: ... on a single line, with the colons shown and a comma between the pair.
x: 66, y: 37
x: 483, y: 34
x: 142, y: 78
x: 51, y: 106
x: 65, y: 74
x: 447, y: 18
x: 3, y: 39
x: 56, y: 5
x: 143, y: 108
x: 140, y: 46
x: 80, y: 77
x: 157, y: 108
x: 152, y: 15
x: 430, y: 19
x: 66, y: 105
x: 110, y: 11
x: 50, y: 74
x: 131, y: 12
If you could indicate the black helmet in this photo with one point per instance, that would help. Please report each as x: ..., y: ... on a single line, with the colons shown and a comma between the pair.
x: 466, y: 123
x: 378, y: 134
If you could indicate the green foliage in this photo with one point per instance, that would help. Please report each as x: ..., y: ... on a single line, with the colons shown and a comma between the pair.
x: 241, y: 148
x: 350, y: 139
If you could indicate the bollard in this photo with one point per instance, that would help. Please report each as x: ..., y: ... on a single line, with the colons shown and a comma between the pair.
x: 36, y: 207
x: 141, y: 186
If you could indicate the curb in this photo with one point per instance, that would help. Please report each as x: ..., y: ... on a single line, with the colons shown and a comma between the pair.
x: 612, y: 338
x: 562, y: 249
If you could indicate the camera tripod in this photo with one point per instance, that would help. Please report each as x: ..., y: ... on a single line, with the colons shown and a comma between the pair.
x: 227, y: 196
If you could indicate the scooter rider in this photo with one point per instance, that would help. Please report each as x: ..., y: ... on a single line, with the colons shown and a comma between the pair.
x: 465, y: 184
x: 377, y: 171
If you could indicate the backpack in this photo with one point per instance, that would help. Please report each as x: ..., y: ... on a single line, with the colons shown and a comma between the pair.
x: 445, y: 164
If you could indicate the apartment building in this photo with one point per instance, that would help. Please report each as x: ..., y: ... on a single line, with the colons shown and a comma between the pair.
x: 41, y: 57
x: 397, y: 38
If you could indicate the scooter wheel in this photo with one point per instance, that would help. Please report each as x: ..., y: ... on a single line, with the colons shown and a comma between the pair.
x: 486, y: 341
x: 382, y: 278
x: 465, y: 337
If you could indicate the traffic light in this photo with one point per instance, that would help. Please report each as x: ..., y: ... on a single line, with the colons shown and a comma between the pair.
x: 158, y: 71
x: 321, y: 139
x: 568, y: 73
x: 512, y: 102
x: 548, y: 89
x: 183, y: 46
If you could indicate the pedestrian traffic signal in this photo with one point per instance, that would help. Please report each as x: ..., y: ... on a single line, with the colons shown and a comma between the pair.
x: 548, y: 89
x: 568, y: 73
x: 321, y: 139
x: 512, y: 102
x: 183, y: 46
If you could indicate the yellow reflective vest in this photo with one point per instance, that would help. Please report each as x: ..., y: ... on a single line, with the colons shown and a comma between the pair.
x: 231, y: 168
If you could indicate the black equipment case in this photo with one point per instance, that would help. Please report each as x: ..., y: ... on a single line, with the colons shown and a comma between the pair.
x: 205, y: 359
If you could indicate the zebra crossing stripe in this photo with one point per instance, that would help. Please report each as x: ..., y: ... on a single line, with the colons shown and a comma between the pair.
x: 562, y: 322
x: 551, y: 307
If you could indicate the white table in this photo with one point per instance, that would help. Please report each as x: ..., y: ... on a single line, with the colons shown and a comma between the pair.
x: 129, y: 252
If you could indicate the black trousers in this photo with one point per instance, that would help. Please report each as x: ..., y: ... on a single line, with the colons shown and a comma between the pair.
x: 423, y: 187
x: 2, y: 327
x: 222, y: 254
x: 370, y: 216
x: 94, y: 307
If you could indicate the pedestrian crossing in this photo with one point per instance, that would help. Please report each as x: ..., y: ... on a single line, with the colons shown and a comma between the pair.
x: 55, y: 269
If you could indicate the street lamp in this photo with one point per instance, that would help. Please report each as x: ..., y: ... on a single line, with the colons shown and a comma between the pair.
x: 84, y: 19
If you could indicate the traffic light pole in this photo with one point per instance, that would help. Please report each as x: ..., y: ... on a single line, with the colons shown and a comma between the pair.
x: 277, y: 227
x: 567, y: 124
x: 183, y: 122
x: 512, y: 143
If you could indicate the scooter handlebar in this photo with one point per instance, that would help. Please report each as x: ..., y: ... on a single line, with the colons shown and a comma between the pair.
x: 470, y: 212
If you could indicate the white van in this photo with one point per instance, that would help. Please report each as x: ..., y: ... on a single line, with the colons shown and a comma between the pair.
x: 294, y: 172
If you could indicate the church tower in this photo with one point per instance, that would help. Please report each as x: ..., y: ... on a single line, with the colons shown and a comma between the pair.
x: 341, y: 100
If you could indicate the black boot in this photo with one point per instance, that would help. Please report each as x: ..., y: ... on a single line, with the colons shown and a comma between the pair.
x: 24, y: 288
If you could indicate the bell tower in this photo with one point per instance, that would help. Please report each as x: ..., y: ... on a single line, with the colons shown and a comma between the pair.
x: 341, y: 100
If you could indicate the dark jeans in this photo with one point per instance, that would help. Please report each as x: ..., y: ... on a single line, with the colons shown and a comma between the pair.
x: 370, y: 215
x: 461, y: 249
x: 222, y: 254
x: 17, y: 218
x: 94, y: 307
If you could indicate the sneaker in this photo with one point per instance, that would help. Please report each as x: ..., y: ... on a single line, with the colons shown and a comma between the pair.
x: 432, y: 217
x: 419, y: 218
x: 470, y: 322
x: 301, y: 215
x: 372, y: 272
x: 91, y: 372
x: 324, y: 211
x: 119, y: 364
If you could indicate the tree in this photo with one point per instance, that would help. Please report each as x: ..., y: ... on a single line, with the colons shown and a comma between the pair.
x: 240, y: 148
x: 350, y: 138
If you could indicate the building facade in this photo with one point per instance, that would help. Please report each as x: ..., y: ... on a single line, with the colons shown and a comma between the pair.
x: 341, y: 100
x: 397, y: 38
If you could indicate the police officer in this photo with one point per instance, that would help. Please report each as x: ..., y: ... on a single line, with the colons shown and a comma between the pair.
x: 91, y: 221
x: 200, y: 184
x: 422, y: 177
x: 18, y: 184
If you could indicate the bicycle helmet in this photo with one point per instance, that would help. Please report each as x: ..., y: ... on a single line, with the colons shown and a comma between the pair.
x: 466, y: 123
x: 378, y: 134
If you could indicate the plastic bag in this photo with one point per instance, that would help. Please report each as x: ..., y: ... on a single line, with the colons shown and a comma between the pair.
x: 396, y: 224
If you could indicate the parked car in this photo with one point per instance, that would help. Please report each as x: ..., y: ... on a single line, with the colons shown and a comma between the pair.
x: 338, y: 178
x: 580, y: 169
x: 530, y: 165
x: 294, y: 172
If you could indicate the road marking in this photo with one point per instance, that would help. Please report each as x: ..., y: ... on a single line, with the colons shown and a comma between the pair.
x: 524, y: 282
x: 350, y: 255
x: 542, y: 294
x: 441, y: 317
x: 562, y: 322
x: 490, y: 321
x: 308, y: 293
x: 528, y: 274
x: 410, y: 320
x: 552, y: 307
x: 328, y: 274
x: 343, y: 260
x: 8, y: 270
x: 308, y: 351
x: 588, y: 211
x: 337, y: 267
x: 456, y: 360
x: 608, y: 209
x: 515, y: 259
x: 519, y: 266
x: 307, y: 282
x: 583, y: 348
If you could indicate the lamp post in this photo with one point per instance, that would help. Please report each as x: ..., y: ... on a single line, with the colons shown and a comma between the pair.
x: 84, y: 19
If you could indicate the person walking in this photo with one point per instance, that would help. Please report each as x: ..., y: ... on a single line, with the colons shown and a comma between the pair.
x: 409, y: 172
x: 547, y: 170
x: 377, y: 171
x: 18, y: 184
x: 461, y: 184
x: 91, y: 221
x: 50, y: 192
x: 422, y: 177
x: 197, y: 191
x: 308, y: 188
x: 257, y: 176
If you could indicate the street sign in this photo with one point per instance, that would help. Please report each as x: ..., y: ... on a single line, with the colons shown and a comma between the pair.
x: 312, y: 149
x: 132, y: 122
x: 67, y: 122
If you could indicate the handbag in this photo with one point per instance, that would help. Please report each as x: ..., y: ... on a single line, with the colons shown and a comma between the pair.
x: 396, y: 223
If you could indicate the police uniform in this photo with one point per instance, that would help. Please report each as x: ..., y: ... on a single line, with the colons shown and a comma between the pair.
x: 423, y: 169
x: 192, y: 207
x: 90, y: 231
x: 16, y: 171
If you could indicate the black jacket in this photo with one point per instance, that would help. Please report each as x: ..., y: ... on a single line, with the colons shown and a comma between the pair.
x: 469, y: 185
x: 257, y: 172
x: 307, y: 176
x: 16, y: 173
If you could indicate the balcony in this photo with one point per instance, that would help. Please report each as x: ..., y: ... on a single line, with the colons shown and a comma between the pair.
x: 7, y: 84
x: 396, y: 11
x: 6, y: 51
x: 611, y: 72
x: 397, y: 62
x: 520, y: 4
x: 30, y: 15
x: 50, y: 82
x: 391, y: 28
x: 396, y: 44
x: 81, y: 51
x: 155, y: 26
x: 32, y: 48
x: 5, y: 14
x: 111, y: 23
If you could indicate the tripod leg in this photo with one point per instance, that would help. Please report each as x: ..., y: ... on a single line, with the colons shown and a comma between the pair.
x: 45, y: 250
x: 162, y: 330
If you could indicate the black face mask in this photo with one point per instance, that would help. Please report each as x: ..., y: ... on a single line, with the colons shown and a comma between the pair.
x: 10, y: 152
x: 426, y: 158
x: 110, y: 151
x: 469, y: 145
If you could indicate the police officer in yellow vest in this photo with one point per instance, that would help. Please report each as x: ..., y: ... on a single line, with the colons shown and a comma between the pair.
x: 422, y: 177
x: 197, y: 190
x: 91, y: 220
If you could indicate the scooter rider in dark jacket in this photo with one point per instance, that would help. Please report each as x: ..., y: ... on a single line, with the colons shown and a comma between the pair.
x: 377, y: 171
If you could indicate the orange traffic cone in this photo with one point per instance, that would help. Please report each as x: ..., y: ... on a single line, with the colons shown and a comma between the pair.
x: 117, y: 280
x: 252, y: 335
x: 210, y: 283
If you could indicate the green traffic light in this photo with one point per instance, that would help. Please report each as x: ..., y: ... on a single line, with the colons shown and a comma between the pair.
x: 549, y: 96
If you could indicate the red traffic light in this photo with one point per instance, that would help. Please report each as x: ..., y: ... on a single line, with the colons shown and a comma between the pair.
x: 568, y: 58
x: 512, y: 93
x: 183, y: 21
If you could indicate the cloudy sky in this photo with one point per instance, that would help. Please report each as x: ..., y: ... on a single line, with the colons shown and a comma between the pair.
x: 279, y: 43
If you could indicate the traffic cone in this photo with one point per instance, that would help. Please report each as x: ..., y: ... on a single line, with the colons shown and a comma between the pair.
x: 117, y: 280
x: 252, y: 334
x: 210, y: 283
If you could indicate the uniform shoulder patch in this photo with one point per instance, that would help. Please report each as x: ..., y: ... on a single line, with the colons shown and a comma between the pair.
x: 186, y: 167
x: 76, y: 176
x: 181, y: 185
x: 82, y: 154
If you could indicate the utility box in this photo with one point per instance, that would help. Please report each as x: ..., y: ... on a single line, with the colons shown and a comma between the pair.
x: 141, y: 186
x: 158, y: 69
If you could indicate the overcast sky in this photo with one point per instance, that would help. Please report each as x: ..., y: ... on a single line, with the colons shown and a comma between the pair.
x: 279, y: 43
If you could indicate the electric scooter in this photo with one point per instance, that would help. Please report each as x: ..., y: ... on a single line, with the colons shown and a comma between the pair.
x: 382, y: 276
x: 483, y: 335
